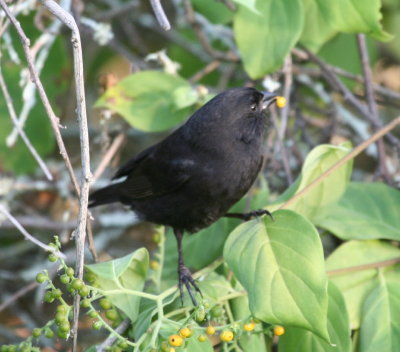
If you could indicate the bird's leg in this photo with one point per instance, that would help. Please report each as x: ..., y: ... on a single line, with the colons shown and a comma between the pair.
x: 249, y: 215
x: 184, y: 275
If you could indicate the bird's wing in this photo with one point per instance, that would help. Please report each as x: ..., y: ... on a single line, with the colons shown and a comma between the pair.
x: 152, y: 173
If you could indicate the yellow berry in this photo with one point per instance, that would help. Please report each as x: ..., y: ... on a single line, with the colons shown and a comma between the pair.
x: 172, y: 349
x: 249, y: 326
x: 281, y: 102
x: 279, y: 330
x: 226, y: 335
x: 202, y: 338
x: 210, y: 330
x: 185, y: 332
x: 175, y: 340
x: 154, y: 265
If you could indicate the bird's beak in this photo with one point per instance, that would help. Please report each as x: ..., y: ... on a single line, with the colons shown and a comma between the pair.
x: 268, y: 99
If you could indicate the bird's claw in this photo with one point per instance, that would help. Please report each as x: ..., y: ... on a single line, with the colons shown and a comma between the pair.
x: 256, y: 213
x: 185, y: 278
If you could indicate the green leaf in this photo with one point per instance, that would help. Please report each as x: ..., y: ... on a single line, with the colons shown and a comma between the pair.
x: 248, y: 4
x: 358, y: 16
x: 357, y: 284
x: 264, y: 40
x: 380, y: 325
x: 320, y: 159
x: 365, y: 211
x: 280, y: 264
x: 150, y: 100
x: 215, y: 11
x: 126, y: 273
x: 300, y: 340
x: 317, y: 27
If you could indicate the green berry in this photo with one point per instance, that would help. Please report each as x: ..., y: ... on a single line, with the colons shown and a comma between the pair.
x: 62, y: 308
x: 105, y: 303
x: 62, y: 334
x: 93, y: 314
x: 123, y: 344
x: 69, y: 271
x: 57, y: 293
x: 41, y: 277
x: 48, y: 297
x: 64, y: 279
x: 85, y: 303
x: 97, y: 325
x: 60, y: 317
x: 36, y: 332
x: 77, y: 284
x: 84, y: 291
x: 52, y: 257
x: 217, y: 311
x: 12, y: 348
x: 90, y: 277
x: 69, y: 287
x: 49, y: 333
x: 112, y: 314
x: 64, y: 326
x: 200, y: 314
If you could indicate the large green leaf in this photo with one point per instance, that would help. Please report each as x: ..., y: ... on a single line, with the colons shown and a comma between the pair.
x: 265, y: 39
x: 365, y: 211
x: 128, y: 272
x: 150, y: 100
x: 358, y: 16
x: 380, y: 324
x: 301, y: 340
x: 215, y: 11
x: 356, y: 285
x: 326, y: 192
x: 317, y: 27
x: 280, y: 263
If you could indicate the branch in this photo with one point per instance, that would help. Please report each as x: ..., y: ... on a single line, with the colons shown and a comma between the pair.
x: 80, y: 232
x: 357, y: 150
x: 160, y: 14
x: 27, y: 235
x: 369, y: 92
x: 351, y: 269
x: 43, y: 96
x: 21, y: 132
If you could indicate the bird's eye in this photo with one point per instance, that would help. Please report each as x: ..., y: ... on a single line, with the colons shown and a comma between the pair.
x: 253, y: 107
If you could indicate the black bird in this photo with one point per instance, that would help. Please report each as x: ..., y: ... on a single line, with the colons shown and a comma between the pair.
x: 191, y: 178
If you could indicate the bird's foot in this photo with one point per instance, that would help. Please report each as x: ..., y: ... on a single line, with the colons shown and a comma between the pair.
x: 185, y: 278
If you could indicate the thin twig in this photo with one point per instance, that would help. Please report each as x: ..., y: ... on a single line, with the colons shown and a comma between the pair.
x: 205, y: 71
x: 21, y: 292
x: 357, y: 150
x: 27, y: 235
x: 347, y: 94
x: 373, y: 109
x: 352, y: 269
x: 21, y: 132
x: 80, y: 232
x: 43, y: 96
x: 112, y: 338
x: 160, y: 14
x: 116, y: 144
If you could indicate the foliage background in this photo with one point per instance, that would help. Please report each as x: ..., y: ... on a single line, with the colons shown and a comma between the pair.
x: 213, y: 46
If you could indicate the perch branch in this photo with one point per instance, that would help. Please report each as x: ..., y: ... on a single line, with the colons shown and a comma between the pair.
x: 80, y: 232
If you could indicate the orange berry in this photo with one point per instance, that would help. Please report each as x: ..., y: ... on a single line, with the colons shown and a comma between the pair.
x: 175, y: 340
x: 226, y: 335
x: 279, y: 330
x: 249, y: 326
x: 280, y: 102
x: 210, y: 330
x: 185, y: 332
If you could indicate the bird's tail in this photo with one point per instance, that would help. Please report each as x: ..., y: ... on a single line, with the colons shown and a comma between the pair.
x: 104, y: 195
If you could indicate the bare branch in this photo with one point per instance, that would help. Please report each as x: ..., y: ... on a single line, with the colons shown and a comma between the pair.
x: 357, y: 150
x: 120, y: 329
x: 27, y: 235
x: 21, y: 292
x: 43, y: 96
x: 160, y: 14
x: 21, y: 132
x: 80, y: 232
